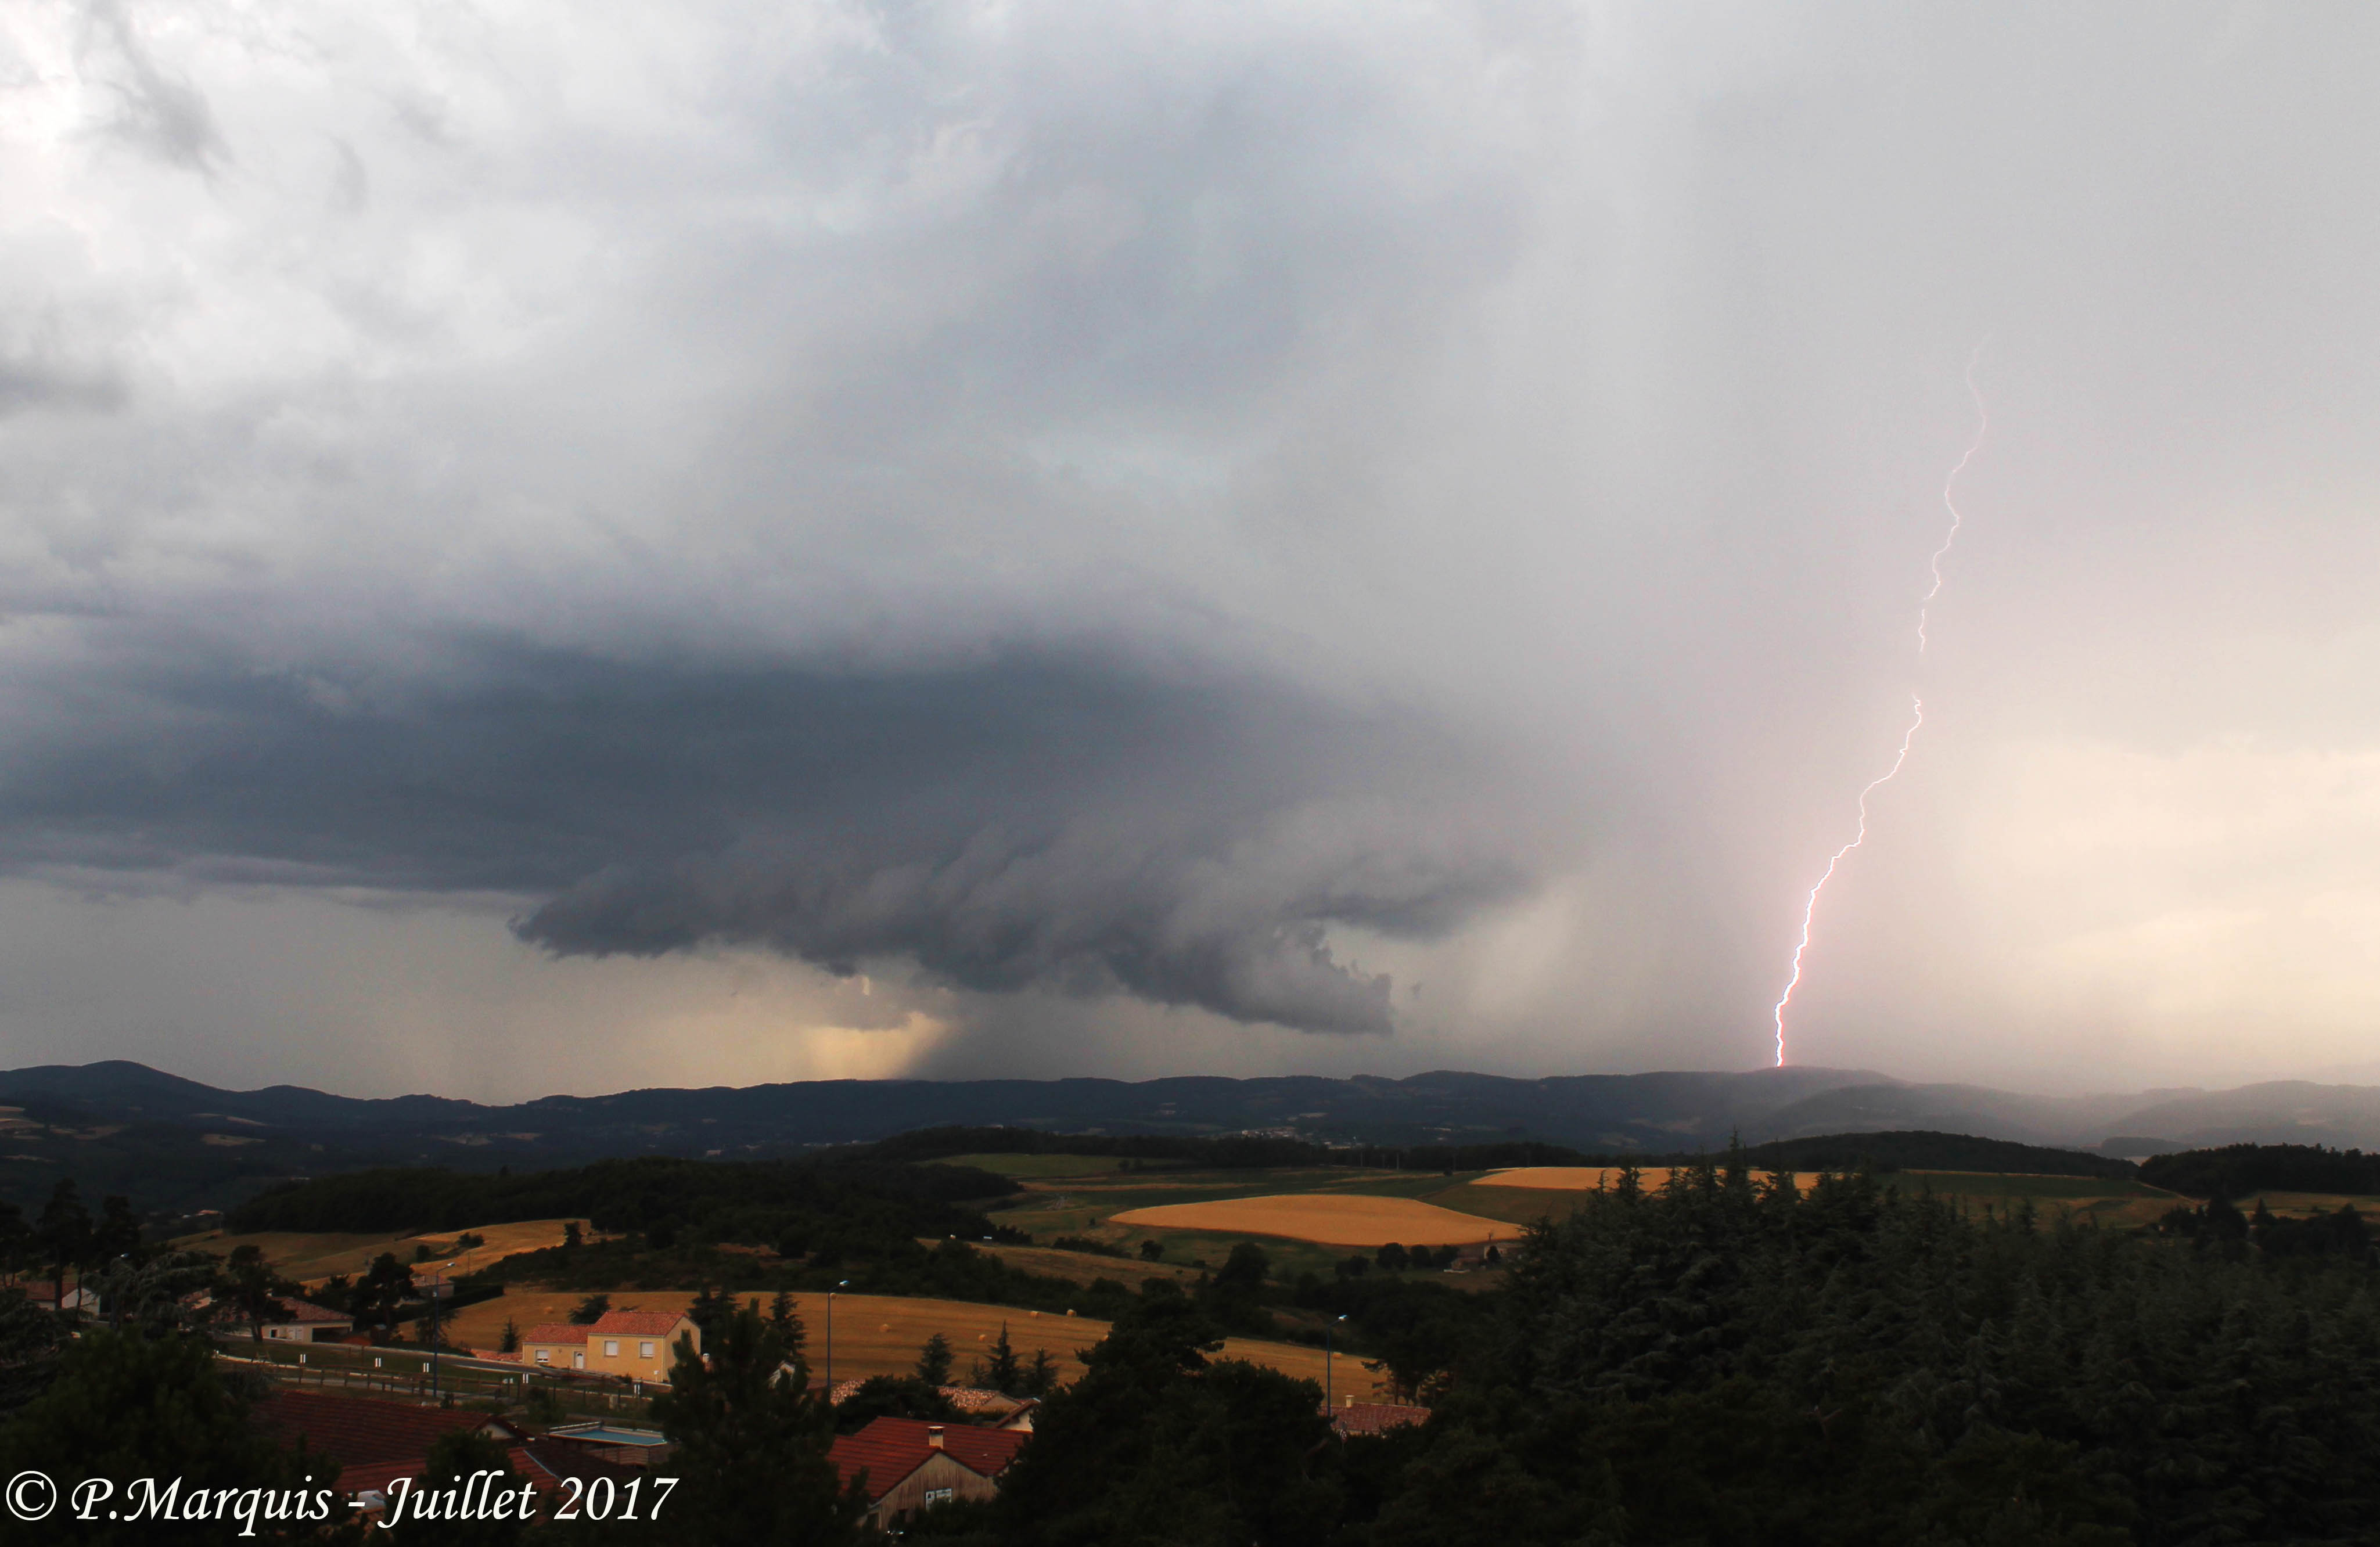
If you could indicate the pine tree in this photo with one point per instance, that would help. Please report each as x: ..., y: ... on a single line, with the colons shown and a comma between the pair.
x: 1003, y: 1373
x: 751, y: 1443
x: 64, y: 1232
x: 934, y: 1361
x: 788, y: 1321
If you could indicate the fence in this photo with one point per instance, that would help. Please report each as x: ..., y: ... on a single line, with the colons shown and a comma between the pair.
x: 454, y: 1377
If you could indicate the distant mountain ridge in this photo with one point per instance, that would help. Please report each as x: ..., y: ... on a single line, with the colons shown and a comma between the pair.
x: 178, y: 1143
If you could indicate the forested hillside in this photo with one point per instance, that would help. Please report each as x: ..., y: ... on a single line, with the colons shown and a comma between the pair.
x: 761, y: 1201
x: 2236, y: 1170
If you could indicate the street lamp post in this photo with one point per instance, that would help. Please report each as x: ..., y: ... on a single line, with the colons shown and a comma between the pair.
x: 433, y: 1330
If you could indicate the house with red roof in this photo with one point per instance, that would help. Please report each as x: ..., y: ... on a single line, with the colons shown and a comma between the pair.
x: 377, y: 1443
x: 360, y: 1432
x: 907, y: 1465
x: 45, y: 1295
x: 633, y: 1345
x: 309, y: 1323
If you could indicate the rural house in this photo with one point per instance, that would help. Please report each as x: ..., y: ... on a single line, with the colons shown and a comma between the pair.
x: 45, y: 1296
x: 632, y: 1345
x: 360, y: 1432
x: 911, y: 1465
x: 309, y: 1323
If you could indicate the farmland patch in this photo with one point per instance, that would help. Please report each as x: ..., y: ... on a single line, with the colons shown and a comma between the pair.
x: 1328, y: 1218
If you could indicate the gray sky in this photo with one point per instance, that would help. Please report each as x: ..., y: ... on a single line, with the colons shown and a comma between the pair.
x: 564, y: 548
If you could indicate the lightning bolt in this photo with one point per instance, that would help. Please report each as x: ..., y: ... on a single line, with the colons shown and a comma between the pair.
x: 1916, y: 704
x: 1983, y: 428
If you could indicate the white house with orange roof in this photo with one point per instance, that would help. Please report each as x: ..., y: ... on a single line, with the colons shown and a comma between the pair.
x: 632, y: 1345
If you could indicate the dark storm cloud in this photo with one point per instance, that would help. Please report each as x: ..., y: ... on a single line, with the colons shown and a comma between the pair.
x: 1052, y: 822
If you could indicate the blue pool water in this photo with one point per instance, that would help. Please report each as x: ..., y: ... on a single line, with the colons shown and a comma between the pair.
x: 604, y: 1433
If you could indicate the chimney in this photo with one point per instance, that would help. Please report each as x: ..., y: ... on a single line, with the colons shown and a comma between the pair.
x: 934, y: 1435
x: 1351, y: 1399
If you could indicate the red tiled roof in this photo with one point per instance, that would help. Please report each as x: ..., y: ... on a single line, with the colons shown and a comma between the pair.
x: 535, y: 1464
x: 555, y: 1332
x: 891, y: 1448
x: 637, y: 1323
x: 305, y: 1313
x: 1372, y: 1418
x: 540, y: 1459
x: 355, y: 1431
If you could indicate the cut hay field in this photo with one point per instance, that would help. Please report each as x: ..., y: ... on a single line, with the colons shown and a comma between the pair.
x: 1351, y: 1219
x: 876, y: 1334
x: 482, y: 1325
x: 313, y: 1257
x: 1083, y: 1266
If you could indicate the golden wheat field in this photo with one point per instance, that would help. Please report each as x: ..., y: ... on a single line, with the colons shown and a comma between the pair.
x: 877, y: 1334
x: 1326, y: 1218
x: 310, y: 1258
x: 1586, y: 1179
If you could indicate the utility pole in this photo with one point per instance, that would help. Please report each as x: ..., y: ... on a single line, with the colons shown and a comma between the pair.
x: 839, y: 1283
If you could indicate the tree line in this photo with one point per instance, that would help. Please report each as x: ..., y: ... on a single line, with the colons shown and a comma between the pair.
x: 2235, y: 1171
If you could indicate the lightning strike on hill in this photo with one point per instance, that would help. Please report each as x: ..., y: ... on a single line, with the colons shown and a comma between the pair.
x: 1916, y: 704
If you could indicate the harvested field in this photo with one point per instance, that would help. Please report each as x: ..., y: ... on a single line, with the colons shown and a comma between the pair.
x: 880, y: 1335
x: 482, y: 1325
x: 1329, y: 1219
x: 310, y: 1258
x: 1083, y: 1266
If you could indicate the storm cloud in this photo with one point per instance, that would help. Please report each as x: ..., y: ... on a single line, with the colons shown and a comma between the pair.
x: 1094, y: 524
x: 1057, y: 823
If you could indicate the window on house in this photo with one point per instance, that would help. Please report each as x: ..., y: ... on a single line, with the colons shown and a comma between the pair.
x: 578, y: 1360
x: 611, y: 1347
x: 940, y: 1496
x: 545, y: 1356
x: 644, y: 1349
